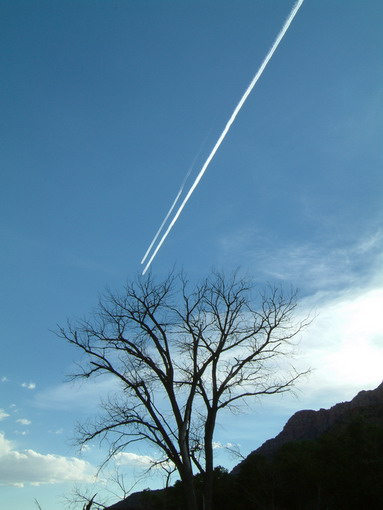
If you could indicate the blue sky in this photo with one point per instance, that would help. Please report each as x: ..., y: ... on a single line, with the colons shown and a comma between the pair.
x: 104, y: 107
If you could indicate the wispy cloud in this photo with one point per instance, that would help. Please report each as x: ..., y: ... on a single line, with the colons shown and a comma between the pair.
x: 326, y: 267
x: 29, y: 386
x: 308, y: 265
x: 76, y: 396
x: 90, y: 265
x: 220, y: 446
x: 3, y: 414
x: 4, y: 379
x: 132, y: 459
x: 18, y: 468
x: 57, y: 432
x: 23, y: 421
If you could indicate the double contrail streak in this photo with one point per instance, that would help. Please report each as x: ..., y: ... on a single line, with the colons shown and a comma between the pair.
x: 174, y: 202
x: 161, y: 226
x: 224, y: 132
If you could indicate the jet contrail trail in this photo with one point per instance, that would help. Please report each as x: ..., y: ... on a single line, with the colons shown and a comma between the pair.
x: 227, y: 127
x: 175, y: 201
x: 162, y: 225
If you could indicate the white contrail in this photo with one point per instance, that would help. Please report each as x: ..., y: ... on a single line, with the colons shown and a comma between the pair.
x: 175, y: 201
x: 162, y: 225
x: 227, y: 127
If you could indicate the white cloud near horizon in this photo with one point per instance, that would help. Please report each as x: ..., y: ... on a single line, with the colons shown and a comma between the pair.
x: 344, y: 343
x: 18, y: 468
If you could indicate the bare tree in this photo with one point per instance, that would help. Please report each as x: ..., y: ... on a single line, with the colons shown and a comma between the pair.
x: 181, y: 356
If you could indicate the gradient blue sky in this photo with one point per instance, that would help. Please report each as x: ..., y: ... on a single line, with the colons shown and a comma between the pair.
x: 104, y: 106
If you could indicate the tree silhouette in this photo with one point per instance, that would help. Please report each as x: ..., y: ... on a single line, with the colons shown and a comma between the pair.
x: 181, y: 356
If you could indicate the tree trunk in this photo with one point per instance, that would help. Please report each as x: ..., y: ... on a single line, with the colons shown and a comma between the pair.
x: 189, y: 492
x: 209, y: 466
x: 208, y: 490
x: 208, y: 484
x: 186, y: 471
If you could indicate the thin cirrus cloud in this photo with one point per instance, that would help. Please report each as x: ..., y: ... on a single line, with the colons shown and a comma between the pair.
x: 326, y: 267
x: 28, y: 467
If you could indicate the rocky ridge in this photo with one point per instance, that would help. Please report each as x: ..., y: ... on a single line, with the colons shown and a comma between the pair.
x: 308, y: 424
